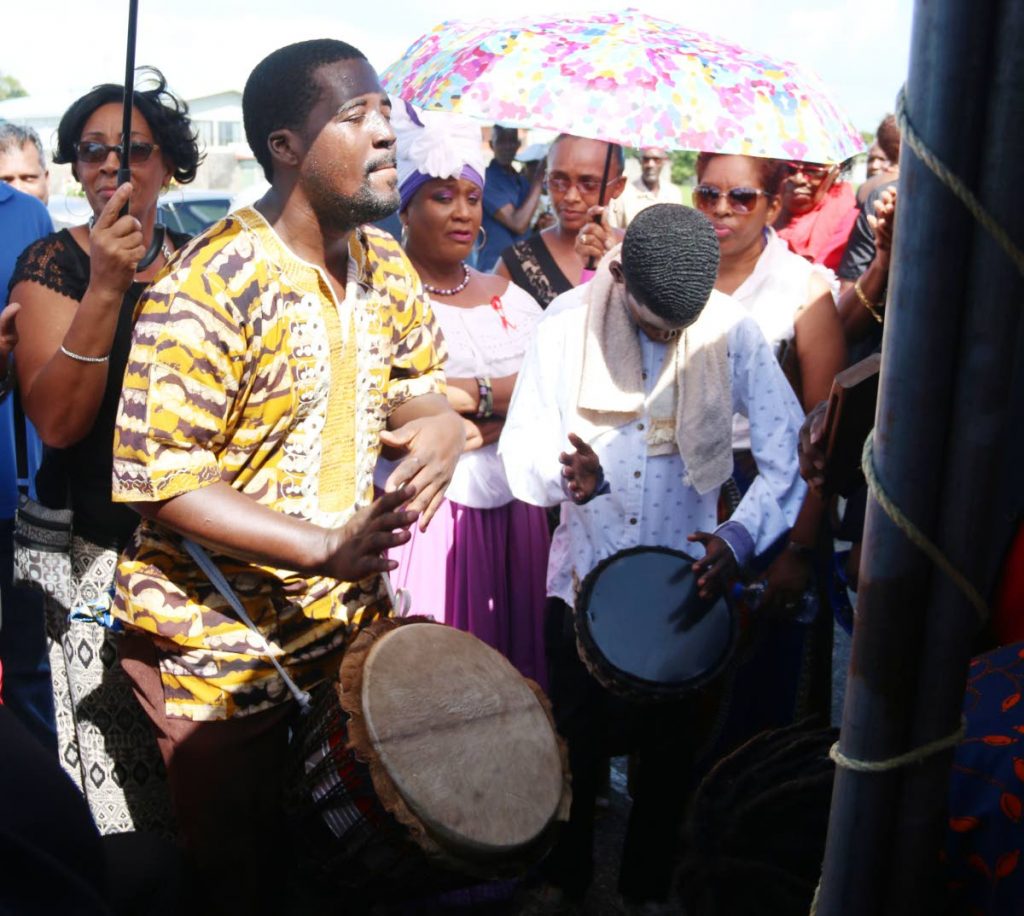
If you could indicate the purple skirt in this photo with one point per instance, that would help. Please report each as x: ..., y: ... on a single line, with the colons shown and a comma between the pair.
x: 484, y: 571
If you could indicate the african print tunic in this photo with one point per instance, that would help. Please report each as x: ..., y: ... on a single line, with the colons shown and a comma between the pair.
x: 245, y: 368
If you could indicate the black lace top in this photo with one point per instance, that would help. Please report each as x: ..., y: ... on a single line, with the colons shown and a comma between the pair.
x: 83, y: 471
x: 532, y: 267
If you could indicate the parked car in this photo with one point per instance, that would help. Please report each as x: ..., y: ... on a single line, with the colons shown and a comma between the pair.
x: 191, y: 210
x: 188, y: 210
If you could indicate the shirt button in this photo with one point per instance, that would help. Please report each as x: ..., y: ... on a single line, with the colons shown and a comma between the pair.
x: 643, y: 375
x: 632, y: 521
x: 636, y: 474
x: 640, y: 426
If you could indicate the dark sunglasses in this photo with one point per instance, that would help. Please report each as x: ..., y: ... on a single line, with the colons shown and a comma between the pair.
x: 742, y: 200
x: 93, y: 152
x: 809, y: 170
x: 588, y: 184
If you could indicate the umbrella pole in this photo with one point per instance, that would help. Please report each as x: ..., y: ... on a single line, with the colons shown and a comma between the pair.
x: 124, y: 172
x: 924, y: 323
x: 592, y: 261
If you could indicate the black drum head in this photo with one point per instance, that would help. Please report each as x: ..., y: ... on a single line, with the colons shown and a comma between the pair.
x: 643, y: 630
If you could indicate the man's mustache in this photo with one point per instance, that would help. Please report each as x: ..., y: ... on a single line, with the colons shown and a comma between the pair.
x: 389, y: 161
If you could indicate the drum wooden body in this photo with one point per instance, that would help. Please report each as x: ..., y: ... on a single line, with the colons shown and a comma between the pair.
x: 432, y: 758
x: 643, y: 631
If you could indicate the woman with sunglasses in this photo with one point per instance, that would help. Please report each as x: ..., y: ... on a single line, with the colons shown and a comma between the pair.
x: 482, y: 563
x: 548, y: 263
x: 78, y: 289
x: 817, y: 211
x: 793, y: 301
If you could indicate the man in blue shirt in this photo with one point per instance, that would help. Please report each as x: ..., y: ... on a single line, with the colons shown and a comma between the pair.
x: 26, y: 672
x: 509, y: 198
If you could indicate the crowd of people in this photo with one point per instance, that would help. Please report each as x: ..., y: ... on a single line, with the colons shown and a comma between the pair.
x: 477, y: 414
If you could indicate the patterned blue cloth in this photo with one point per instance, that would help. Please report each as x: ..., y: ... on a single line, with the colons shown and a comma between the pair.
x: 986, y: 794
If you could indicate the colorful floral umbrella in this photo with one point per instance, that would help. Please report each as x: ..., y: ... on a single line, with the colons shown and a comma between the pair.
x: 626, y: 78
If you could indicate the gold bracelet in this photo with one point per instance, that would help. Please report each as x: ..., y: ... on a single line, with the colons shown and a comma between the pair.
x: 867, y: 302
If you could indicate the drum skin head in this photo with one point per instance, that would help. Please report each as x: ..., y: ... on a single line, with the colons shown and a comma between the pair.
x: 463, y: 737
x: 643, y: 628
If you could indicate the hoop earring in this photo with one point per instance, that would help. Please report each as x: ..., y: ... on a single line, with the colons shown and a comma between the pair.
x: 481, y: 245
x: 403, y: 238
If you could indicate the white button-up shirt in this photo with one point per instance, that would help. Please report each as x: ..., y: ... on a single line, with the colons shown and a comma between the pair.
x: 649, y: 503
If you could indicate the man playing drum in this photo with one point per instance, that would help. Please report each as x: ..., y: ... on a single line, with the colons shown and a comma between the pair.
x: 641, y: 371
x: 268, y: 364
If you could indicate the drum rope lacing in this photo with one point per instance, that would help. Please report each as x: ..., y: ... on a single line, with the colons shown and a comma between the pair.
x: 914, y: 534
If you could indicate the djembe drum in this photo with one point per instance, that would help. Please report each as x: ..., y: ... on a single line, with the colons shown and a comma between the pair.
x: 430, y: 763
x: 644, y: 632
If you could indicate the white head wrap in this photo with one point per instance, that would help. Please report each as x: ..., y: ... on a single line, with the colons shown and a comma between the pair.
x: 435, y: 144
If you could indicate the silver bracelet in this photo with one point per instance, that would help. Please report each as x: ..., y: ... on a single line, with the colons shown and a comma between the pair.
x: 83, y: 359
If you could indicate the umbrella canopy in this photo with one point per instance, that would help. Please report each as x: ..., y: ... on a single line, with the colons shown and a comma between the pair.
x: 626, y: 78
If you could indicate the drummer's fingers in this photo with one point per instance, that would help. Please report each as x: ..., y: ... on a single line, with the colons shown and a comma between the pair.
x: 580, y: 445
x: 380, y: 541
x: 392, y: 521
x: 388, y: 502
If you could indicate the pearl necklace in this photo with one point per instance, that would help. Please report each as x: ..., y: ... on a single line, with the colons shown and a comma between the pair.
x: 455, y: 290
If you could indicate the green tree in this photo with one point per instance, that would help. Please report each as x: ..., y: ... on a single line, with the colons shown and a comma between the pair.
x: 684, y: 166
x: 10, y: 88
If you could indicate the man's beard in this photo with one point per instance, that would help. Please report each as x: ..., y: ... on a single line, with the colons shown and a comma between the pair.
x: 367, y: 205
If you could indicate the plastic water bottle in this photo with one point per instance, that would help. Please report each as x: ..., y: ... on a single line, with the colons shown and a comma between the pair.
x: 752, y: 596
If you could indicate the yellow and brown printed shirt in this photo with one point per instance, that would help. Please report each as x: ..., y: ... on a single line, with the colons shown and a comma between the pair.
x: 245, y: 368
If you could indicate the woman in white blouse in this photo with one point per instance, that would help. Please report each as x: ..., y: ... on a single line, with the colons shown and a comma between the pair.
x: 793, y: 301
x: 481, y: 564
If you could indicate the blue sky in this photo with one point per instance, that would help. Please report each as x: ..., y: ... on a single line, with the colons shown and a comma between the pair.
x: 858, y: 47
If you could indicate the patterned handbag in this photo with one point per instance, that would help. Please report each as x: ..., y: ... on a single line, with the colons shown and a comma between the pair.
x: 42, y: 536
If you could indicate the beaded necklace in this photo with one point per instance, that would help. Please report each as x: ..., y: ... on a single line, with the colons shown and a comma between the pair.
x: 455, y: 290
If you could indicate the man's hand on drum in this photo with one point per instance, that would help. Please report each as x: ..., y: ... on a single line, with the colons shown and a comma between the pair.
x: 716, y: 567
x: 431, y: 436
x: 358, y: 548
x: 581, y: 470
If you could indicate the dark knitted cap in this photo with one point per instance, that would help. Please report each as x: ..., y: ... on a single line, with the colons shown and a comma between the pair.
x: 670, y: 261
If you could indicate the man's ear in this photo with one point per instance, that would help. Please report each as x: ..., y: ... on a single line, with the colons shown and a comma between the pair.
x: 285, y: 147
x: 615, y: 187
x: 616, y: 269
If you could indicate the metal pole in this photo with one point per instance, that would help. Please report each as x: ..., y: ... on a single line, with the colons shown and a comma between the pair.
x: 949, y: 54
x: 971, y: 493
x: 124, y: 172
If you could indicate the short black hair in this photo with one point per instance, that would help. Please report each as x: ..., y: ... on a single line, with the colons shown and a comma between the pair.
x: 282, y: 90
x: 670, y: 261
x: 888, y: 137
x: 16, y: 136
x: 165, y: 113
x: 618, y: 153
